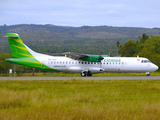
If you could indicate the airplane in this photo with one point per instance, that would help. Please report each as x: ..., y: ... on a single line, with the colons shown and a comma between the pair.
x: 85, y: 64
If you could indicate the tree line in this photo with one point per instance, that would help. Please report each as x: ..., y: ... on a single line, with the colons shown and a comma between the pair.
x: 5, y: 66
x: 148, y: 47
x: 86, y: 39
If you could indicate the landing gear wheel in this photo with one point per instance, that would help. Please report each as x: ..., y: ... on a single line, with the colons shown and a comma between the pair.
x: 83, y: 74
x: 89, y: 74
x: 147, y: 73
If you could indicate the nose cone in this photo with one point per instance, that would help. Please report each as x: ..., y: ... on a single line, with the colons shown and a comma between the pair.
x: 155, y: 67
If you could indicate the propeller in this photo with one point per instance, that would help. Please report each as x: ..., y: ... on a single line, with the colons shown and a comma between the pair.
x: 100, y: 58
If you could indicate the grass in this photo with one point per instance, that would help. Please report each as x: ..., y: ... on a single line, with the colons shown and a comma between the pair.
x: 79, y: 99
x: 63, y: 74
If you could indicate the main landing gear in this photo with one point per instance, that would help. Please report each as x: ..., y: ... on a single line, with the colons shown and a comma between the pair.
x: 83, y: 74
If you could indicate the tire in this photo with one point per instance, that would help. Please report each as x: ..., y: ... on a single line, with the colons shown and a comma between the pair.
x: 148, y: 74
x: 83, y: 74
x: 89, y: 75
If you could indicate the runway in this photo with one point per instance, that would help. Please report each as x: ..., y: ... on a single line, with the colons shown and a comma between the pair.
x: 84, y: 78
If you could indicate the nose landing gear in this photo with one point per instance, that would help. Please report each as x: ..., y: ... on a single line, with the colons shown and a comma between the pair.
x: 147, y: 73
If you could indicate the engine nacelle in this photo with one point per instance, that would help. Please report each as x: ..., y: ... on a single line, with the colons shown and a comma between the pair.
x: 94, y: 70
x: 76, y: 69
x: 92, y: 58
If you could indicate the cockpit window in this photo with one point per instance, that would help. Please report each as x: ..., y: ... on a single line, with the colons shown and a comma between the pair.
x: 145, y: 61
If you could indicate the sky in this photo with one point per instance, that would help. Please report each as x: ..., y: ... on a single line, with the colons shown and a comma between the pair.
x: 76, y: 13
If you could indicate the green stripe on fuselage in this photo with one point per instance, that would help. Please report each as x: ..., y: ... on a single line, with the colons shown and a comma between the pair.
x: 31, y: 62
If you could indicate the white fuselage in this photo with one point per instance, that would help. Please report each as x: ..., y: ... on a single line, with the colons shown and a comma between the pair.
x: 108, y: 64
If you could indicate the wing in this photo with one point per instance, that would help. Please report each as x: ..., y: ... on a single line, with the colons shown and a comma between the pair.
x: 75, y: 56
x: 84, y: 57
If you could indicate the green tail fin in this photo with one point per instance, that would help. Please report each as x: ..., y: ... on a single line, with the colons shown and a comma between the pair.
x: 17, y: 47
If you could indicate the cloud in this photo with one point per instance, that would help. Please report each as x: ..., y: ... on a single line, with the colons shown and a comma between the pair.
x: 81, y: 12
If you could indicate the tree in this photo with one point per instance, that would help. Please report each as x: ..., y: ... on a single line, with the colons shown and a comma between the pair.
x: 153, y: 44
x: 128, y: 49
x: 151, y: 50
x: 3, y: 64
x: 143, y: 38
x: 132, y: 48
x: 117, y: 44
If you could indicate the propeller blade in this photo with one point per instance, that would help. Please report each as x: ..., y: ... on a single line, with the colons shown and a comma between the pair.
x: 100, y: 58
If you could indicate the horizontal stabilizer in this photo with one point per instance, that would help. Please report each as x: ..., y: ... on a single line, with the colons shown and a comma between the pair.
x: 12, y: 35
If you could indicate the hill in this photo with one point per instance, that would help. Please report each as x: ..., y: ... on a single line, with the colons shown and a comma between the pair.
x: 86, y: 39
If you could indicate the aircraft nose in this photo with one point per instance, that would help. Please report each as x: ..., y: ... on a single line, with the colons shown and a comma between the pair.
x: 155, y: 67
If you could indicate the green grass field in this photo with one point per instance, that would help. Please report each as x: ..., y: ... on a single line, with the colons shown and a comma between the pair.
x: 63, y: 74
x: 80, y: 99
